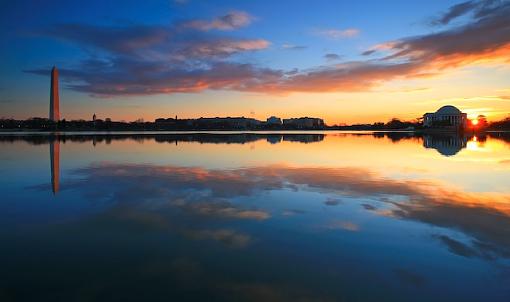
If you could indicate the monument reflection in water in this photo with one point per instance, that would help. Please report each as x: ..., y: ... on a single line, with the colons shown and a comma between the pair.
x: 447, y: 145
x: 55, y: 165
x: 255, y: 217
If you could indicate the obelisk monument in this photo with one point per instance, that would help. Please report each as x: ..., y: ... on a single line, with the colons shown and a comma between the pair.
x: 54, y: 97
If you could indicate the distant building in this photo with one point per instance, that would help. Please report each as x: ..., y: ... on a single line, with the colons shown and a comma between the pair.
x: 94, y: 117
x: 54, y: 96
x: 446, y: 116
x: 273, y: 120
x: 227, y: 122
x: 304, y: 123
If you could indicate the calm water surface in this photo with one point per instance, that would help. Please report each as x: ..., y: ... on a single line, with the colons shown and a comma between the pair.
x: 255, y: 217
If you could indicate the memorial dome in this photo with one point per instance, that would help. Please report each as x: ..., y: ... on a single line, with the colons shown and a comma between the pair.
x: 448, y: 110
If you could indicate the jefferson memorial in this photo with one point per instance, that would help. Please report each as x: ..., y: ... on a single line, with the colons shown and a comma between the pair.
x: 446, y: 116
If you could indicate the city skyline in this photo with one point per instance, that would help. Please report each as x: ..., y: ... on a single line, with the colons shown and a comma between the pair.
x: 338, y: 61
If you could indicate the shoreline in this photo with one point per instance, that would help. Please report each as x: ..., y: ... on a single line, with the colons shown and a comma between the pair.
x: 236, y: 131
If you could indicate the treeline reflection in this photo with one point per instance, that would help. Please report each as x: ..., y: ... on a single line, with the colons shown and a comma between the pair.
x: 447, y: 144
x: 203, y: 138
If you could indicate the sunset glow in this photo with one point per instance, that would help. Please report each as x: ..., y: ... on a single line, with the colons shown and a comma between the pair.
x: 226, y: 150
x: 338, y: 61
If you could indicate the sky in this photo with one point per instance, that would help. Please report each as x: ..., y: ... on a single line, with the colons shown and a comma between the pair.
x: 344, y: 61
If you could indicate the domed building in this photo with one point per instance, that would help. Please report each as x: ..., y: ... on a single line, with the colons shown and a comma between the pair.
x: 446, y: 117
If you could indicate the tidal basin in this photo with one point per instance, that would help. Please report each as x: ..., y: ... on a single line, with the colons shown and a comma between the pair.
x: 314, y: 216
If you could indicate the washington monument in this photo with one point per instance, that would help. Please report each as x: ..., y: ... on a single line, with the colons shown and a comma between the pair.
x: 54, y: 98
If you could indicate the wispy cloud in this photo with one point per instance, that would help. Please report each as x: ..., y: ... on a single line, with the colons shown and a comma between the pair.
x: 479, y: 8
x: 455, y: 11
x: 380, y: 47
x: 343, y: 225
x: 152, y: 42
x: 228, y: 237
x: 230, y: 21
x: 473, y: 106
x: 406, y: 90
x: 457, y: 247
x: 332, y: 56
x: 338, y: 33
x: 332, y: 201
x: 222, y: 209
x: 293, y: 47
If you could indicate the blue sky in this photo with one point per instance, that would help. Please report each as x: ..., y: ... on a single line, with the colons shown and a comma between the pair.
x: 272, y: 41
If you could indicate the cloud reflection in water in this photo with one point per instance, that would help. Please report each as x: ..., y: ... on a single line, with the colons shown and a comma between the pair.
x: 484, y: 217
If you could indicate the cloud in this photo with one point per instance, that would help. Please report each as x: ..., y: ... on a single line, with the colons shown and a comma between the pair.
x: 158, y: 216
x: 153, y: 43
x: 368, y: 207
x: 485, y: 38
x: 457, y: 247
x: 379, y: 47
x: 349, y: 76
x: 188, y: 57
x: 120, y: 78
x: 144, y: 60
x: 292, y: 212
x: 343, y: 225
x: 231, y: 21
x: 338, y: 33
x: 332, y: 57
x: 413, y: 89
x: 223, y: 210
x: 220, y: 48
x: 293, y: 47
x: 114, y: 39
x: 332, y: 202
x: 203, y: 193
x: 479, y: 8
x: 455, y: 11
x: 228, y: 237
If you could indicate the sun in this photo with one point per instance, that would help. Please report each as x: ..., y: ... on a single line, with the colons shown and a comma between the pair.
x: 474, y: 122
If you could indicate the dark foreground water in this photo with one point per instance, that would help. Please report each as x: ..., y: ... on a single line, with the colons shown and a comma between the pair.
x: 255, y: 217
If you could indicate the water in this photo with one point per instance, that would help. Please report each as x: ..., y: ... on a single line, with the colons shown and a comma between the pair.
x: 325, y: 216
